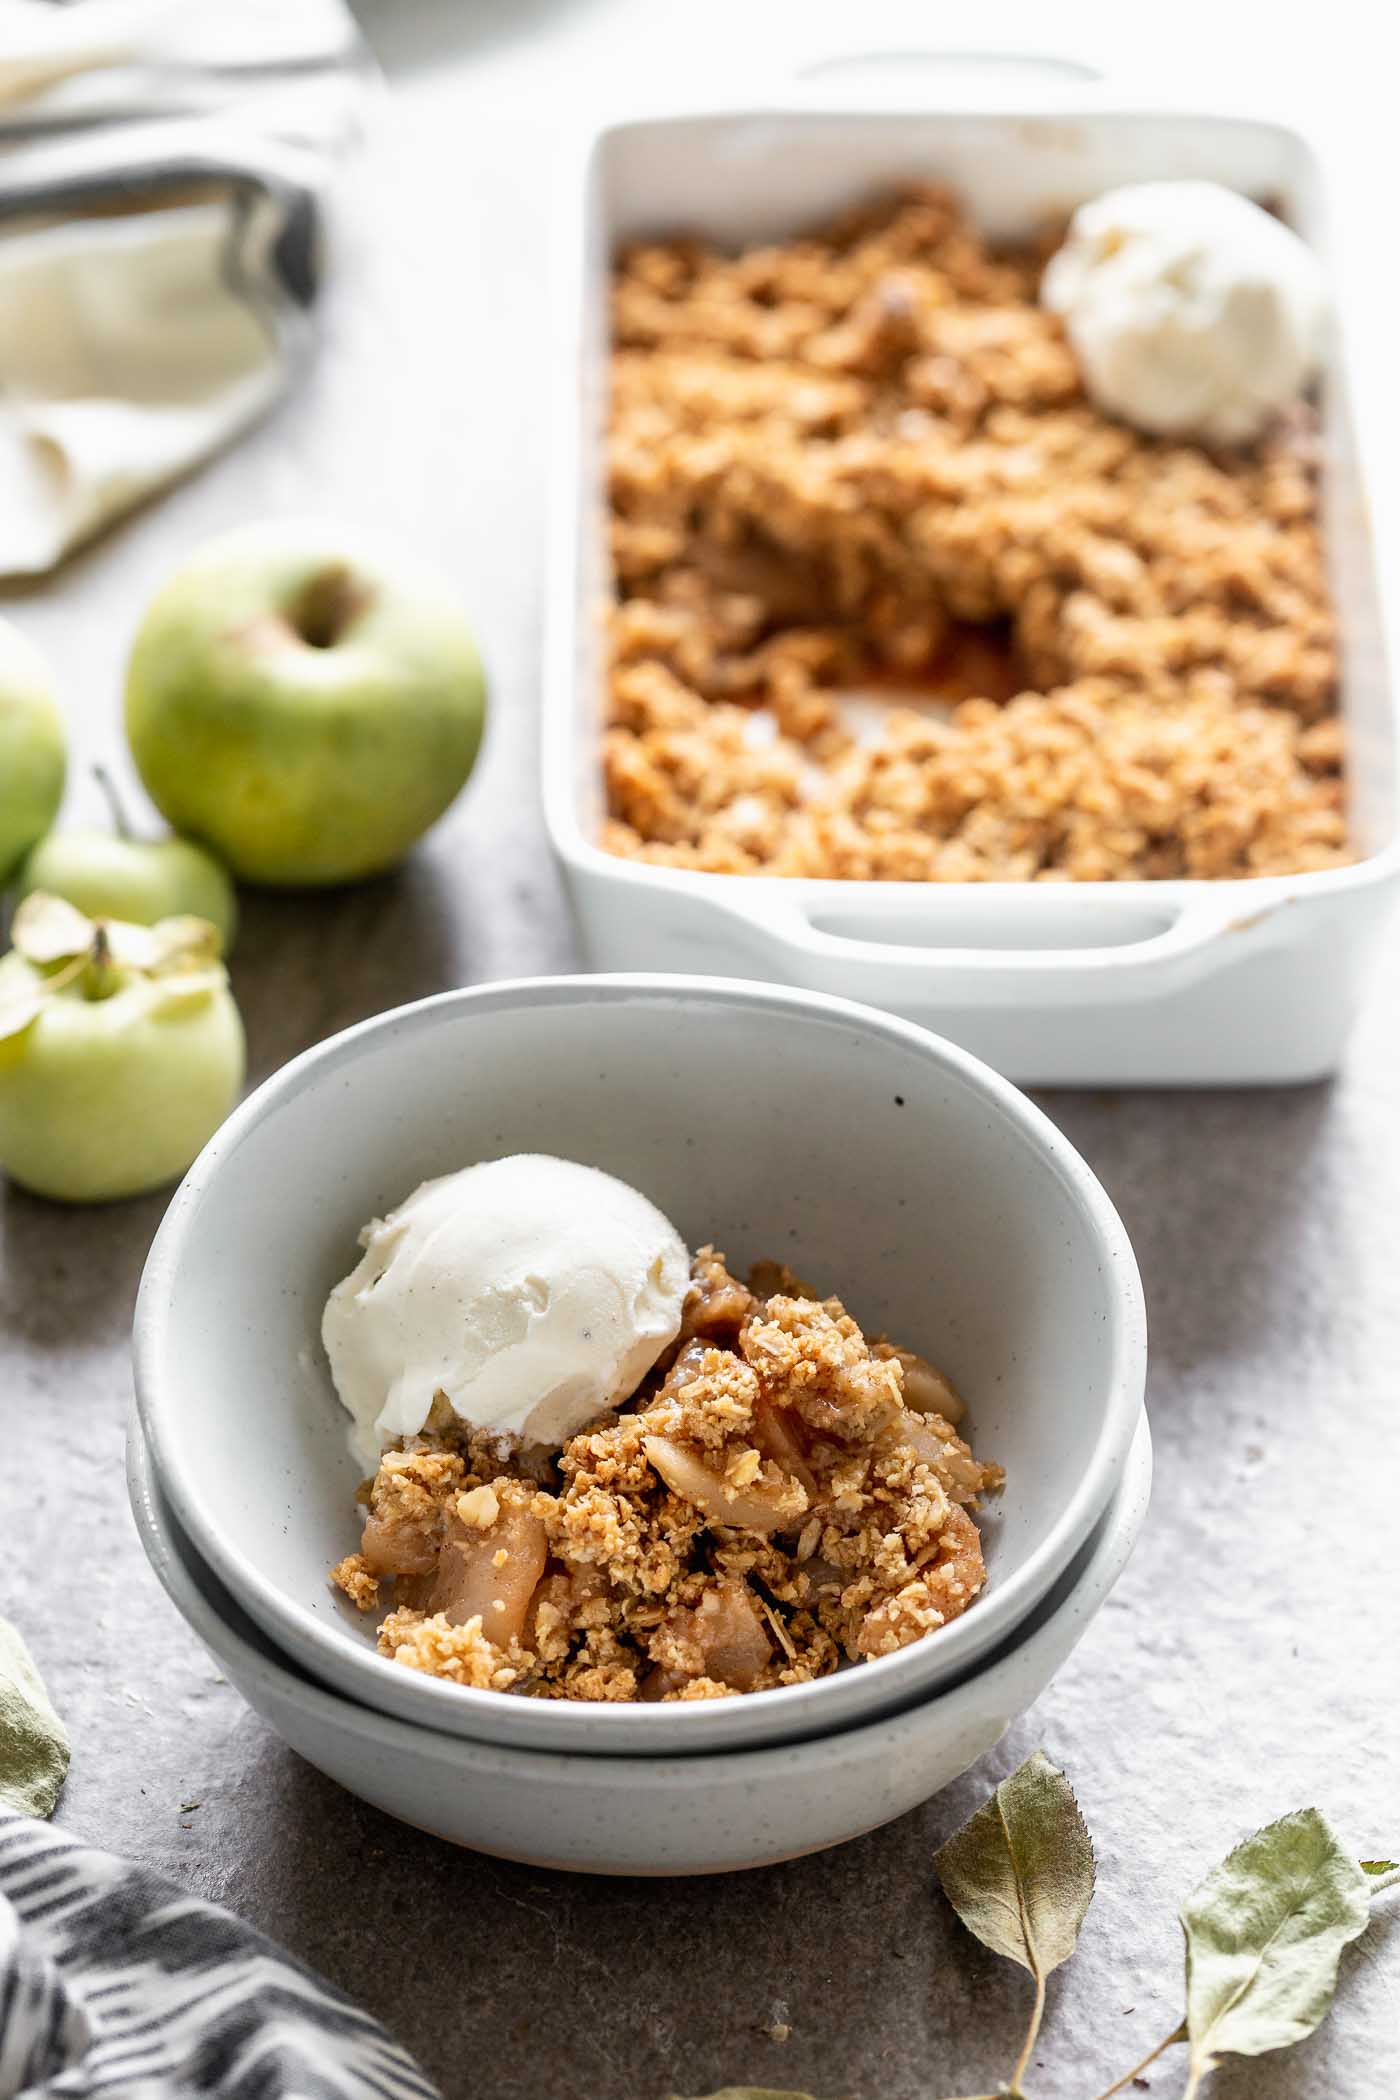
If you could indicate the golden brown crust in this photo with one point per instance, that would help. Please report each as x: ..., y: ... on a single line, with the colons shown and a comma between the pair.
x: 826, y: 459
x: 463, y: 1654
x: 764, y: 1505
x: 352, y: 1575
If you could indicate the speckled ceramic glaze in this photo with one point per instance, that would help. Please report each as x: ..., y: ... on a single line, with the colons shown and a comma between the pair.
x: 646, y: 1815
x: 883, y: 1163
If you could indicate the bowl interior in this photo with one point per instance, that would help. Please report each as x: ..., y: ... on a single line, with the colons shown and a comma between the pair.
x: 886, y: 1168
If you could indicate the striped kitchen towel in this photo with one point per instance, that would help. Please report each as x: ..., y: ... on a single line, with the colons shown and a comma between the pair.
x: 113, y: 1982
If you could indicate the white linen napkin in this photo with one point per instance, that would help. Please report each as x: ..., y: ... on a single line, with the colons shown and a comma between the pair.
x: 161, y: 170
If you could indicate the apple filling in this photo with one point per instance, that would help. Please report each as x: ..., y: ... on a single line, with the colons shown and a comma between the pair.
x: 779, y: 1495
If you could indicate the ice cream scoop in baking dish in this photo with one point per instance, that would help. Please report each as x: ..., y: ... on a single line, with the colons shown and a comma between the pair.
x: 831, y: 1143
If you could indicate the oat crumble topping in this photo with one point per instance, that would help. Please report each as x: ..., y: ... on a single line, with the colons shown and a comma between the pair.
x: 778, y: 1494
x: 864, y: 459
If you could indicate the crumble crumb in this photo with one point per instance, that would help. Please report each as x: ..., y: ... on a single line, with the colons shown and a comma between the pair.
x: 352, y: 1575
x: 463, y: 1654
x: 479, y: 1508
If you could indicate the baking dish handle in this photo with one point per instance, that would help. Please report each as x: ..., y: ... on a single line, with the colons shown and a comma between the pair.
x: 966, y: 79
x: 807, y: 943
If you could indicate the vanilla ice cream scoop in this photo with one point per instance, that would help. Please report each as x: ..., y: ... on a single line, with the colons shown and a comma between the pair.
x: 531, y: 1292
x: 1193, y: 312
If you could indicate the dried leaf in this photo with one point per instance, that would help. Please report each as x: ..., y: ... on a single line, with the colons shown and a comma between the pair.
x: 186, y: 989
x: 1380, y: 1866
x: 1020, y: 1874
x: 20, y: 1007
x: 134, y: 947
x: 181, y: 944
x: 33, y: 1741
x: 175, y: 945
x: 48, y: 930
x: 1264, y: 1935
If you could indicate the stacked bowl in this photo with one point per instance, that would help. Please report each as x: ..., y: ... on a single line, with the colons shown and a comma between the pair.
x: 891, y: 1167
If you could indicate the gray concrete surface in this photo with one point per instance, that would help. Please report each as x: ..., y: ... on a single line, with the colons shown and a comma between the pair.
x: 1249, y: 1662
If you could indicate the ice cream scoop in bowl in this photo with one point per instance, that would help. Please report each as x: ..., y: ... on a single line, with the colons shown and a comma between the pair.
x: 531, y: 1293
x: 881, y: 1163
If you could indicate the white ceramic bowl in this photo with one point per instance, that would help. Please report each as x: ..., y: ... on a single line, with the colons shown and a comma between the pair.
x: 885, y: 1164
x: 645, y: 1815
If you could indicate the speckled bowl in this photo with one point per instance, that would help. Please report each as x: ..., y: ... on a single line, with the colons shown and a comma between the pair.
x: 645, y: 1815
x: 883, y: 1162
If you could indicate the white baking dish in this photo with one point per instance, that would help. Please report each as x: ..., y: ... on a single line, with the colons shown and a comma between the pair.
x: 1091, y: 983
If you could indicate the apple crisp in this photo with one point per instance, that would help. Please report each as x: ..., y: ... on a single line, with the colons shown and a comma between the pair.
x: 778, y: 1495
x: 863, y: 462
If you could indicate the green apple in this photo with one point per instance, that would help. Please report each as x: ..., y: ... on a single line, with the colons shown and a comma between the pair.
x: 302, y: 708
x: 121, y: 1051
x: 112, y: 875
x: 32, y: 749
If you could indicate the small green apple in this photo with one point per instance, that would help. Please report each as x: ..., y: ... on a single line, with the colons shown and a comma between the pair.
x: 112, y: 875
x: 121, y: 1051
x: 32, y: 748
x: 305, y: 710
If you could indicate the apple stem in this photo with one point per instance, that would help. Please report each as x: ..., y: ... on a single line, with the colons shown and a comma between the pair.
x: 96, y: 983
x: 120, y: 823
x: 326, y: 604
